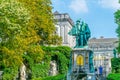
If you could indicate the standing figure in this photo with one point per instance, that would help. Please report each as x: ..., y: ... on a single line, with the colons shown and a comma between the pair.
x: 100, y: 71
x: 22, y: 72
x: 53, y: 68
x: 82, y: 33
x: 91, y: 66
x: 115, y: 53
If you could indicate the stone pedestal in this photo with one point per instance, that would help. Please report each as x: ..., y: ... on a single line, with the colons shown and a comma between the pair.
x: 81, y: 65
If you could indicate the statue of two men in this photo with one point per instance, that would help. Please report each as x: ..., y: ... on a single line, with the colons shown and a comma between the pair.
x: 82, y: 33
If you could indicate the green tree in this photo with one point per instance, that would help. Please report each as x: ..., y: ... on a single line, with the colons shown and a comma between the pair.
x: 42, y: 20
x: 16, y: 37
x: 24, y: 24
x: 13, y: 20
x: 117, y: 20
x: 115, y: 65
x: 116, y: 61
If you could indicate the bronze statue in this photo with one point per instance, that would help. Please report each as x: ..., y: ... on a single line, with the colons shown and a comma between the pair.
x: 82, y: 33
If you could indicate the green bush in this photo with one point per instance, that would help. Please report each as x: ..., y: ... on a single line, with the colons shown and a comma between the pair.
x: 58, y: 77
x: 115, y: 65
x: 40, y: 70
x: 10, y: 73
x: 61, y: 54
x: 113, y: 76
x: 36, y: 69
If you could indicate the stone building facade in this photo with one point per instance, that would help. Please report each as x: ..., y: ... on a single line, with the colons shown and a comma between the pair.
x: 103, y: 51
x: 63, y: 25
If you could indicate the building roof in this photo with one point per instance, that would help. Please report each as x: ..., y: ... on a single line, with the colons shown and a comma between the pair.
x: 103, y: 40
x: 56, y: 12
x: 63, y: 17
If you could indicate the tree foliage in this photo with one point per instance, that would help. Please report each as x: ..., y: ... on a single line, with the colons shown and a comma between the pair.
x: 115, y: 65
x: 59, y: 54
x: 116, y: 61
x: 24, y: 24
x: 14, y: 18
x: 117, y: 20
x: 113, y: 76
x: 42, y: 20
x: 16, y: 37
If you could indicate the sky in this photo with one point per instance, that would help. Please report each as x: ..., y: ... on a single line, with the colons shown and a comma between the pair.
x: 98, y: 14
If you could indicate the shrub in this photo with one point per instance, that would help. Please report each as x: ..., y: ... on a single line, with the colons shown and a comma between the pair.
x: 58, y: 77
x: 115, y: 65
x: 113, y: 76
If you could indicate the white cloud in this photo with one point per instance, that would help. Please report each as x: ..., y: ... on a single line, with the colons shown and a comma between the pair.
x: 112, y: 4
x: 79, y: 6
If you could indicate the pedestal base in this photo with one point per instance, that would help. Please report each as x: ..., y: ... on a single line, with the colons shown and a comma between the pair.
x: 81, y: 65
